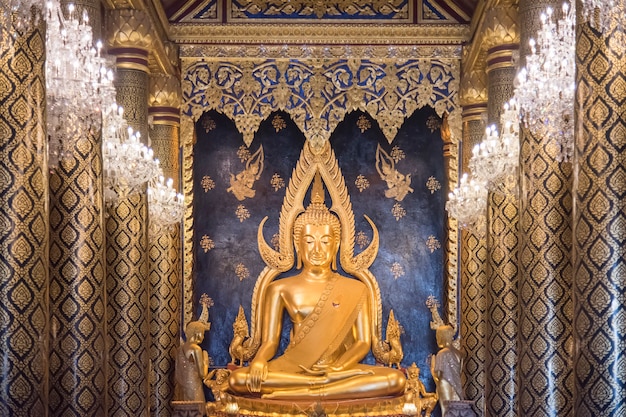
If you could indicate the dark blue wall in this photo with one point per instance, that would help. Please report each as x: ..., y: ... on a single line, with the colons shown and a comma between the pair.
x: 402, y: 241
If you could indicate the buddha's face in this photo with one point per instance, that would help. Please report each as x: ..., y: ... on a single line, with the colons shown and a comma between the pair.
x: 317, y: 245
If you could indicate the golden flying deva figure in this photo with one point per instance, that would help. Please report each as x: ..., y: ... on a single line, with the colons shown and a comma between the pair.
x: 331, y: 316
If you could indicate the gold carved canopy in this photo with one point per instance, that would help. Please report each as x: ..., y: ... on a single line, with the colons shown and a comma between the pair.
x: 318, y: 86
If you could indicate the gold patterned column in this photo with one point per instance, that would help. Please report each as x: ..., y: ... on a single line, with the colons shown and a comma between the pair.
x: 127, y: 231
x: 23, y: 226
x: 545, y: 335
x: 502, y: 230
x: 77, y: 281
x: 599, y: 219
x: 165, y: 266
x: 473, y: 249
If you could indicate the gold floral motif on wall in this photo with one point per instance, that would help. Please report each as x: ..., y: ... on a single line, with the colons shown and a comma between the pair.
x: 397, y: 270
x: 242, y: 213
x: 207, y: 123
x: 361, y: 239
x: 243, y: 153
x: 363, y: 123
x: 207, y: 183
x: 277, y: 182
x: 432, y: 243
x: 433, y: 184
x: 241, y: 271
x: 398, y: 185
x: 275, y: 242
x: 433, y: 123
x: 278, y: 123
x: 397, y: 154
x: 242, y: 183
x: 398, y: 211
x: 206, y: 243
x: 361, y: 183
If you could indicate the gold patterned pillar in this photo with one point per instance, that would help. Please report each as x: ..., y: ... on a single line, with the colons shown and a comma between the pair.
x: 545, y: 335
x: 127, y: 231
x: 473, y: 249
x: 77, y: 281
x: 23, y: 226
x: 502, y: 232
x: 165, y: 259
x: 600, y: 220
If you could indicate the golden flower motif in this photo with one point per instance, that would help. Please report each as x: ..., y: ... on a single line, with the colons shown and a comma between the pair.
x: 208, y: 123
x: 207, y: 183
x: 397, y: 154
x: 278, y: 123
x: 243, y: 153
x: 361, y: 239
x: 276, y: 242
x: 396, y: 270
x: 277, y: 182
x: 241, y: 271
x: 432, y: 243
x: 398, y: 212
x: 433, y: 123
x: 433, y: 185
x: 242, y: 213
x: 206, y: 243
x: 363, y: 123
x: 361, y: 183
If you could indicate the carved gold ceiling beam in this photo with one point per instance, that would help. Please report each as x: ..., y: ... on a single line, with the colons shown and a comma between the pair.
x: 163, y: 56
x: 494, y: 23
x: 322, y: 34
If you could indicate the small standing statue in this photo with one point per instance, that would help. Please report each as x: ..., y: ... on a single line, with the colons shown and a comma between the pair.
x: 192, y: 363
x: 415, y: 393
x: 447, y: 364
x: 446, y: 368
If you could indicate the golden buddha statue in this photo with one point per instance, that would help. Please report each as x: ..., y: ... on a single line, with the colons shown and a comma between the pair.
x: 332, y: 318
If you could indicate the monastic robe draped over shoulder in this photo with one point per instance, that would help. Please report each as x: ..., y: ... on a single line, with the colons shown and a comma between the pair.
x: 326, y: 328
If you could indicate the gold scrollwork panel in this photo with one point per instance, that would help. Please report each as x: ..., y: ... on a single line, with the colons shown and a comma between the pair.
x: 248, y: 90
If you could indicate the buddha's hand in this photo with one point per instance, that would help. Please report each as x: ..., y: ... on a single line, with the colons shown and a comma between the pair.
x: 256, y: 375
x: 334, y: 373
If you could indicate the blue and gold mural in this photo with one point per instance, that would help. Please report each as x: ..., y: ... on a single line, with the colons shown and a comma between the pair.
x: 400, y: 186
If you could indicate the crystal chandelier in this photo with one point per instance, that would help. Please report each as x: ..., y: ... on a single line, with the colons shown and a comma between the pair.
x: 78, y: 81
x: 601, y: 13
x: 127, y: 163
x: 165, y: 206
x: 16, y: 16
x: 545, y: 87
x: 468, y: 203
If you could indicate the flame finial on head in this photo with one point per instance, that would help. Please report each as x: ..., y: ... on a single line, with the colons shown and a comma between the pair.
x: 205, y: 302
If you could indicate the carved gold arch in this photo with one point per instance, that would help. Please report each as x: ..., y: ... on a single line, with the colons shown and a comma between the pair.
x: 318, y: 90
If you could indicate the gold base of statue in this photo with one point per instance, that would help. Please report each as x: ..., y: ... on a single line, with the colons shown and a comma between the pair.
x: 257, y: 407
